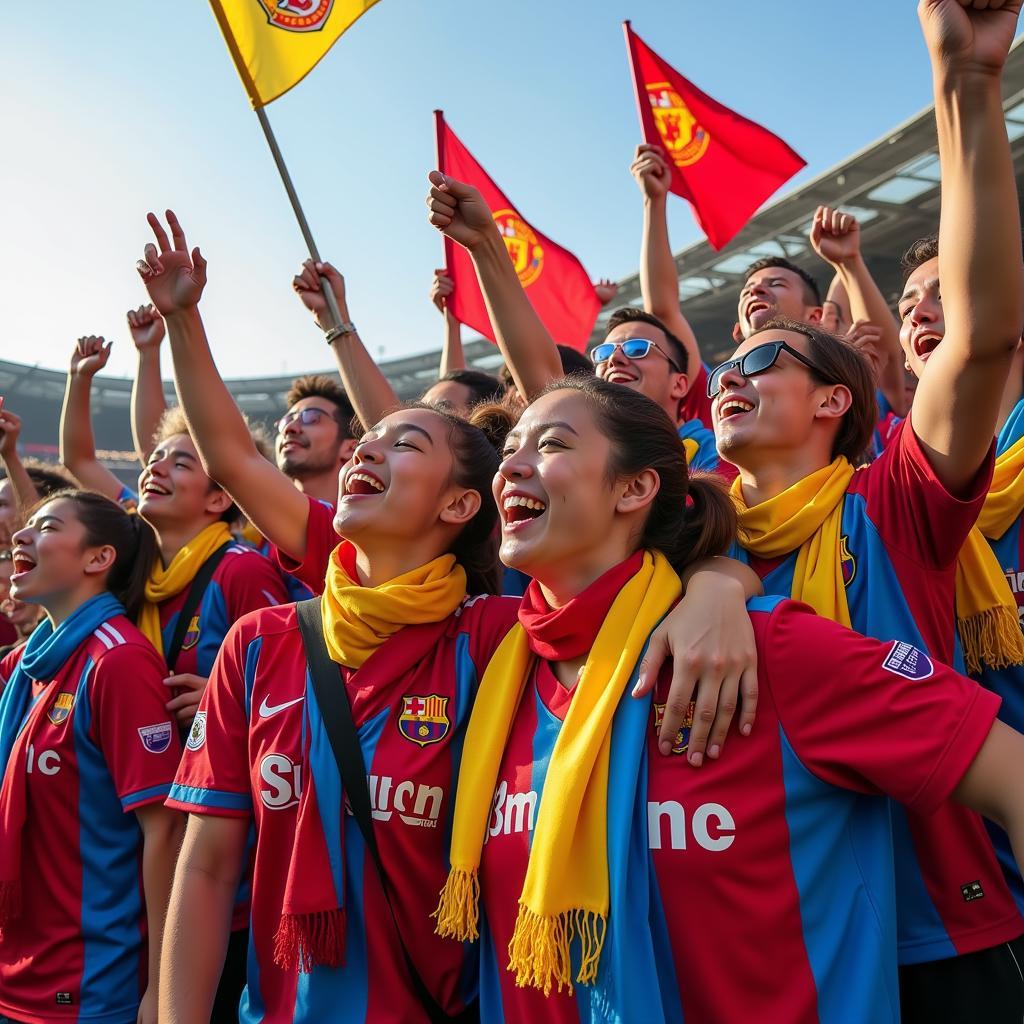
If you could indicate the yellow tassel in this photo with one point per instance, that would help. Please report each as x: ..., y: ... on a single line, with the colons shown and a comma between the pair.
x: 458, y: 911
x: 539, y: 953
x: 992, y: 639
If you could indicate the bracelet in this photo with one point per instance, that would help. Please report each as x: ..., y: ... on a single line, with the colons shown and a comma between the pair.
x: 346, y: 327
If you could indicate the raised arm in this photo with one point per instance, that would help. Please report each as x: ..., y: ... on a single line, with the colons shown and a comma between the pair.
x: 980, y: 272
x: 77, y: 445
x: 458, y: 210
x: 25, y: 492
x: 452, y: 356
x: 148, y: 402
x: 659, y: 281
x: 175, y: 281
x: 369, y: 391
x: 835, y: 237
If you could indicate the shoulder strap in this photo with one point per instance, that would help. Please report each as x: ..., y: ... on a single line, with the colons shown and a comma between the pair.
x: 196, y: 589
x: 336, y: 712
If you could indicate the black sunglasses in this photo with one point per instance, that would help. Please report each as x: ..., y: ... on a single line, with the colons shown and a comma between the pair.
x: 756, y: 361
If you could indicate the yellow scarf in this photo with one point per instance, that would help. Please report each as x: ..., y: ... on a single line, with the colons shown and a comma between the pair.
x: 1005, y: 499
x: 164, y: 584
x: 808, y: 516
x: 565, y: 894
x: 358, y: 619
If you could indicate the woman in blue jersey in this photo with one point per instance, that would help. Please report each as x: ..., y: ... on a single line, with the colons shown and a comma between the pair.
x: 88, y: 752
x: 620, y: 885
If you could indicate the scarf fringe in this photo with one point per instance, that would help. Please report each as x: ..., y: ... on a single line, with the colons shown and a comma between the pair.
x: 10, y: 904
x: 540, y: 951
x: 458, y: 911
x: 992, y: 639
x: 305, y: 941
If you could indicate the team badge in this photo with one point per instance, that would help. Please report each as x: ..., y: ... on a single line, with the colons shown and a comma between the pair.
x: 683, y: 736
x: 523, y: 245
x: 297, y: 15
x: 197, y: 734
x: 61, y: 708
x: 906, y: 660
x: 156, y: 738
x: 685, y: 140
x: 847, y: 562
x: 191, y: 637
x: 424, y: 719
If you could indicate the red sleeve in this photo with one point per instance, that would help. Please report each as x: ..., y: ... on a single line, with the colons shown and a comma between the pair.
x: 131, y: 726
x: 9, y: 664
x: 487, y: 620
x: 871, y: 716
x: 250, y: 581
x: 911, y: 508
x: 321, y: 540
x: 695, y: 404
x: 213, y: 777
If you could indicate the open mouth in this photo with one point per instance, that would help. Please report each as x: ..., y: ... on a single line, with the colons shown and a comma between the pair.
x: 21, y: 563
x: 733, y: 407
x: 362, y: 484
x: 518, y: 510
x: 757, y: 307
x: 620, y: 377
x: 925, y: 345
x: 152, y: 488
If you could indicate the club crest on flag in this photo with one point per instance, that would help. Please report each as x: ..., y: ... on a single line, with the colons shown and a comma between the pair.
x: 683, y: 736
x: 524, y: 248
x: 297, y: 15
x: 685, y: 140
x: 61, y: 708
x: 847, y: 561
x: 424, y: 719
x: 191, y: 637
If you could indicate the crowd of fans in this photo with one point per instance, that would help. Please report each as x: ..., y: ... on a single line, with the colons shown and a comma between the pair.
x: 615, y: 688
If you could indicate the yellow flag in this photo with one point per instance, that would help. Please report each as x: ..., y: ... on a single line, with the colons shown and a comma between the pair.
x: 276, y: 43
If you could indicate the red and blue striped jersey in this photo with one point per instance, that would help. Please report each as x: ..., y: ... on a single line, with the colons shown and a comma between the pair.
x: 78, y: 951
x: 901, y: 534
x: 411, y: 701
x: 764, y: 879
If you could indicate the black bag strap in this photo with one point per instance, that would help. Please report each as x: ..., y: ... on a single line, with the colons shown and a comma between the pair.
x: 196, y: 589
x: 336, y: 712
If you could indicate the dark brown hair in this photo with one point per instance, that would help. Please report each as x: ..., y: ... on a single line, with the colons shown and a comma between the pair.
x: 131, y: 537
x: 692, y: 516
x: 838, y: 362
x: 923, y: 250
x: 323, y: 385
x: 483, y: 387
x: 634, y: 314
x: 812, y: 293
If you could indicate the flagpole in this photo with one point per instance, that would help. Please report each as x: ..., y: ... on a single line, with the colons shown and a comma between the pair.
x: 300, y: 216
x: 627, y: 28
x: 439, y: 157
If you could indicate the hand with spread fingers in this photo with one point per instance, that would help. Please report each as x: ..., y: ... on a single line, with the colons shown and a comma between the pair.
x: 174, y: 278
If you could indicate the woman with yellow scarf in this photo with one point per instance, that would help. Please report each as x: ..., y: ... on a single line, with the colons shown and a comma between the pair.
x: 607, y: 883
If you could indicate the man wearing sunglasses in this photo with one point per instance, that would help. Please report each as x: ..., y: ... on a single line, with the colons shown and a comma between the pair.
x: 886, y: 549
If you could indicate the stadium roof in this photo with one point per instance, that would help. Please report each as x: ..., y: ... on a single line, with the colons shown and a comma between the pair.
x: 892, y: 186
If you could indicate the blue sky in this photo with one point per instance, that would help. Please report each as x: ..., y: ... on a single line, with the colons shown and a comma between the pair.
x: 112, y: 109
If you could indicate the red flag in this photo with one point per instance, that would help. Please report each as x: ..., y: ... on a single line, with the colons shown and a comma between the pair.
x: 723, y: 164
x: 555, y: 281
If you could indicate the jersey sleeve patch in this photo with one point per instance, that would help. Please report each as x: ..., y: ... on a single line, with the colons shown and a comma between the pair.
x: 907, y: 661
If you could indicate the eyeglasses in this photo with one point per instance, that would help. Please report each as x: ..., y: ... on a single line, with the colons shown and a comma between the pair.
x: 632, y: 348
x: 306, y: 417
x: 756, y: 361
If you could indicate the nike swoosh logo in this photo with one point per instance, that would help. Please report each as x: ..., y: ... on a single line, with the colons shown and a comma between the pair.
x: 266, y: 710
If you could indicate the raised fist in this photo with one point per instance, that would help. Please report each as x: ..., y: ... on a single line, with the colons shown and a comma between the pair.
x: 969, y: 35
x: 306, y: 285
x: 835, y: 236
x: 89, y: 356
x: 441, y: 289
x: 458, y: 211
x: 651, y: 171
x: 146, y: 326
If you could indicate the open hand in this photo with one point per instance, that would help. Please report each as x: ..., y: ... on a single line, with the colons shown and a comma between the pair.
x: 174, y: 279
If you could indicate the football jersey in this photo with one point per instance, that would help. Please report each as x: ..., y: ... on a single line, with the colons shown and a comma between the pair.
x: 701, y: 453
x: 410, y: 701
x: 242, y: 582
x: 78, y: 951
x: 321, y: 540
x: 885, y: 427
x: 695, y: 404
x: 901, y: 534
x: 768, y: 881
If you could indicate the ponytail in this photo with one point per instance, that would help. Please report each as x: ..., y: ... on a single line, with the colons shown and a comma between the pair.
x: 691, y: 517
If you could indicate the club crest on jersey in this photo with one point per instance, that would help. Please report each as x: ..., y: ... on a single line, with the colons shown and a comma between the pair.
x: 156, y: 738
x: 197, y: 734
x: 523, y: 245
x: 62, y: 706
x: 847, y: 562
x: 685, y: 140
x: 906, y: 660
x: 297, y: 15
x: 683, y: 736
x: 424, y: 719
x: 191, y: 637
